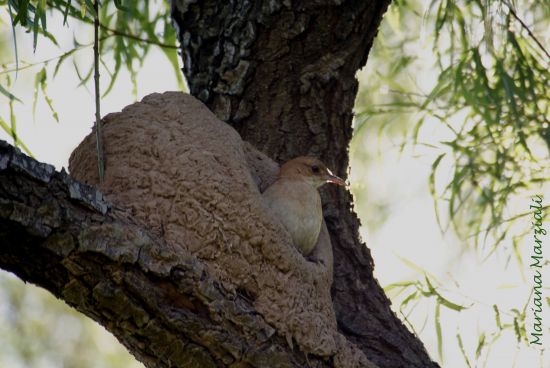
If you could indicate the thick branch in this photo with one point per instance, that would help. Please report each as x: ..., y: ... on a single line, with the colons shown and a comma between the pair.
x: 162, y: 305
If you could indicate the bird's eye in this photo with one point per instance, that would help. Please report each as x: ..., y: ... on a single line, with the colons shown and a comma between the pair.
x: 315, y: 169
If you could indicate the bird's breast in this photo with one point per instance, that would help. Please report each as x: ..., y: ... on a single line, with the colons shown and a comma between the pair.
x: 298, y: 207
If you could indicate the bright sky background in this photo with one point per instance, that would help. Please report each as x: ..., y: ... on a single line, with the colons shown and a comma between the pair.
x: 409, y: 236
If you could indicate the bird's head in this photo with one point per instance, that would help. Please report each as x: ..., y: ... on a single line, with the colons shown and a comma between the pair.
x: 309, y: 169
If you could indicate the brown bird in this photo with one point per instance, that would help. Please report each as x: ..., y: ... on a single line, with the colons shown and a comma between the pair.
x: 294, y: 200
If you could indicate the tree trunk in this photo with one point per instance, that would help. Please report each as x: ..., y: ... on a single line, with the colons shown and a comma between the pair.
x: 283, y: 74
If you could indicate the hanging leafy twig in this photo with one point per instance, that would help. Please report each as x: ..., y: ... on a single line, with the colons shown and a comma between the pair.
x: 116, y: 32
x: 46, y: 61
x: 524, y: 26
x: 14, y: 39
x: 98, y: 132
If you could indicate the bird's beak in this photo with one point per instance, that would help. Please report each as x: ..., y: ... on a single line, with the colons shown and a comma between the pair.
x: 331, y: 178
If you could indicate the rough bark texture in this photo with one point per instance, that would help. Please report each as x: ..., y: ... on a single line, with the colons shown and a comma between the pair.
x: 283, y: 74
x: 160, y: 301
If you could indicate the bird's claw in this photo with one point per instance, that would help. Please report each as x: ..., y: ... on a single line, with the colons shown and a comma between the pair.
x: 315, y: 259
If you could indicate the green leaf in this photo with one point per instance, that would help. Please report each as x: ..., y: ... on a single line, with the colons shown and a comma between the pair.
x: 480, y: 344
x: 438, y: 331
x: 399, y: 284
x: 18, y: 143
x: 174, y: 60
x: 118, y: 64
x: 90, y: 8
x: 62, y: 58
x: 461, y: 347
x: 13, y: 123
x: 83, y: 8
x: 41, y: 10
x: 22, y: 15
x: 37, y: 80
x: 517, y: 329
x: 35, y: 29
x: 441, y: 299
x: 416, y: 130
x: 85, y: 78
x: 40, y: 83
x: 13, y: 22
x: 8, y: 94
x: 66, y: 12
x: 412, y: 296
x: 497, y: 317
x: 431, y: 185
x: 120, y: 6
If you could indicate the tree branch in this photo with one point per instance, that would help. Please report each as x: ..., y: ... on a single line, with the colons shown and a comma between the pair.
x: 162, y: 305
x: 116, y: 32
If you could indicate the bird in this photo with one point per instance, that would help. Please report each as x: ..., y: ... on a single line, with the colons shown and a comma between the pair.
x: 294, y: 199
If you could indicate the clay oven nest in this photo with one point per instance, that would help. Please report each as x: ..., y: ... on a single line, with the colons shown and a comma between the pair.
x: 189, y: 178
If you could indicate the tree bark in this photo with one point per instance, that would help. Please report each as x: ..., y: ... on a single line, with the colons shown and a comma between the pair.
x: 283, y: 74
x: 163, y: 306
